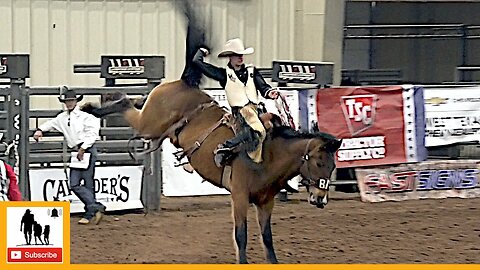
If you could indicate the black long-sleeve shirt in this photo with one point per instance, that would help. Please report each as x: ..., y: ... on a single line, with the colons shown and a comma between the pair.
x: 220, y: 74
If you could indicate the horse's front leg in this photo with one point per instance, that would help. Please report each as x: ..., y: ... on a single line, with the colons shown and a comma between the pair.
x: 240, y: 209
x: 264, y: 215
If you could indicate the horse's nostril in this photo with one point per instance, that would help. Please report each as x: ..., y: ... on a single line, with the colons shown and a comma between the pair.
x: 320, y: 205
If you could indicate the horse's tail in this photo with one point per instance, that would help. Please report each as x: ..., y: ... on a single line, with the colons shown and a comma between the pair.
x: 196, y: 38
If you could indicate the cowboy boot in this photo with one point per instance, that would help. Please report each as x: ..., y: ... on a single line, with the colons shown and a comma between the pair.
x: 223, y: 153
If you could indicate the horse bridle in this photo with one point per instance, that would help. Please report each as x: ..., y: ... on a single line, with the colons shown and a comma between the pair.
x: 305, y: 158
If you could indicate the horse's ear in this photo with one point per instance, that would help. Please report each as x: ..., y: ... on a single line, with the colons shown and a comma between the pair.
x: 333, y: 145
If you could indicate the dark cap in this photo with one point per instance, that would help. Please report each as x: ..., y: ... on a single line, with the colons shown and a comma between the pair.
x: 68, y: 94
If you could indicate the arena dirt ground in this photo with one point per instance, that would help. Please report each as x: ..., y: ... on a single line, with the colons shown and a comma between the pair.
x: 199, y: 230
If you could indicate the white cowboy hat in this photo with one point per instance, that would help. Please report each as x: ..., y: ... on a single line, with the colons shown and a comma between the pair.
x: 234, y: 46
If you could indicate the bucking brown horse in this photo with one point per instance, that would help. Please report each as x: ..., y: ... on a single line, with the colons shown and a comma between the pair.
x: 199, y: 129
x: 180, y: 111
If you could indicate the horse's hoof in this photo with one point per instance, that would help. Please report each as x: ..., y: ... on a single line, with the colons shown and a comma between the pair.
x: 283, y: 196
x: 188, y: 168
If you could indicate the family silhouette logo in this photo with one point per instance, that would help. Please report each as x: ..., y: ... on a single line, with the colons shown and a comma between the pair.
x: 37, y: 234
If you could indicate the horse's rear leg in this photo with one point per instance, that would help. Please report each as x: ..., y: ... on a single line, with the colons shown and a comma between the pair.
x: 138, y: 104
x: 240, y: 209
x: 117, y: 106
x: 264, y: 215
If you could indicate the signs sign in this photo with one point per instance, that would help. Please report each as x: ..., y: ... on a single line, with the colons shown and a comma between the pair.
x: 431, y: 179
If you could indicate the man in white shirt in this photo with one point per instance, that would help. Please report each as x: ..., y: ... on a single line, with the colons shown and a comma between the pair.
x: 80, y: 130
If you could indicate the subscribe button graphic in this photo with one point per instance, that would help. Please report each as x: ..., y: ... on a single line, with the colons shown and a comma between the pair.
x: 34, y: 255
x: 37, y: 233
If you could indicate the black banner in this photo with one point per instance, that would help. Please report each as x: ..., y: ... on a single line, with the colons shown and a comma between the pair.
x: 302, y: 72
x: 14, y: 66
x: 133, y: 67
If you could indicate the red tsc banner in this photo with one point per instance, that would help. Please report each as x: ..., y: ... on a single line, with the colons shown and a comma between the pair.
x: 378, y: 125
x: 431, y: 179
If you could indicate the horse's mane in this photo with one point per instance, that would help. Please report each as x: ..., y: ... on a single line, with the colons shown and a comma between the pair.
x: 290, y: 133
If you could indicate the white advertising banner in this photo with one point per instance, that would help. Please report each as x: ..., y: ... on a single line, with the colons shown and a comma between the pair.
x: 452, y: 115
x: 118, y: 188
x: 178, y: 182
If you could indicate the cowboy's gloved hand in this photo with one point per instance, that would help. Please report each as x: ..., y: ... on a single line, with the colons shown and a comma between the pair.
x: 37, y: 135
x: 204, y: 51
x: 273, y: 94
x: 81, y: 151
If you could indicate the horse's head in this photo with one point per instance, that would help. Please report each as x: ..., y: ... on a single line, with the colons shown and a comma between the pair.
x: 318, y: 163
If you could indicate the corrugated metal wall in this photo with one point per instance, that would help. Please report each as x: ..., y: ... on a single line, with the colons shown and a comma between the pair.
x: 60, y: 33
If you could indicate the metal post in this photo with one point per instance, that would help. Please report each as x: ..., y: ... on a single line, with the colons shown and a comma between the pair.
x: 370, y: 41
x: 157, y: 179
x: 155, y: 185
x: 464, y: 49
x: 17, y: 132
x: 24, y: 148
x: 152, y: 177
x: 147, y: 178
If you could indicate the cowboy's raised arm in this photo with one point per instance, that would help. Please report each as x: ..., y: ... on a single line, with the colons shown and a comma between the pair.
x: 211, y: 71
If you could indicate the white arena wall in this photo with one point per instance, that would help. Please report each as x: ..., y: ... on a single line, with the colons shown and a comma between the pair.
x: 60, y: 33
